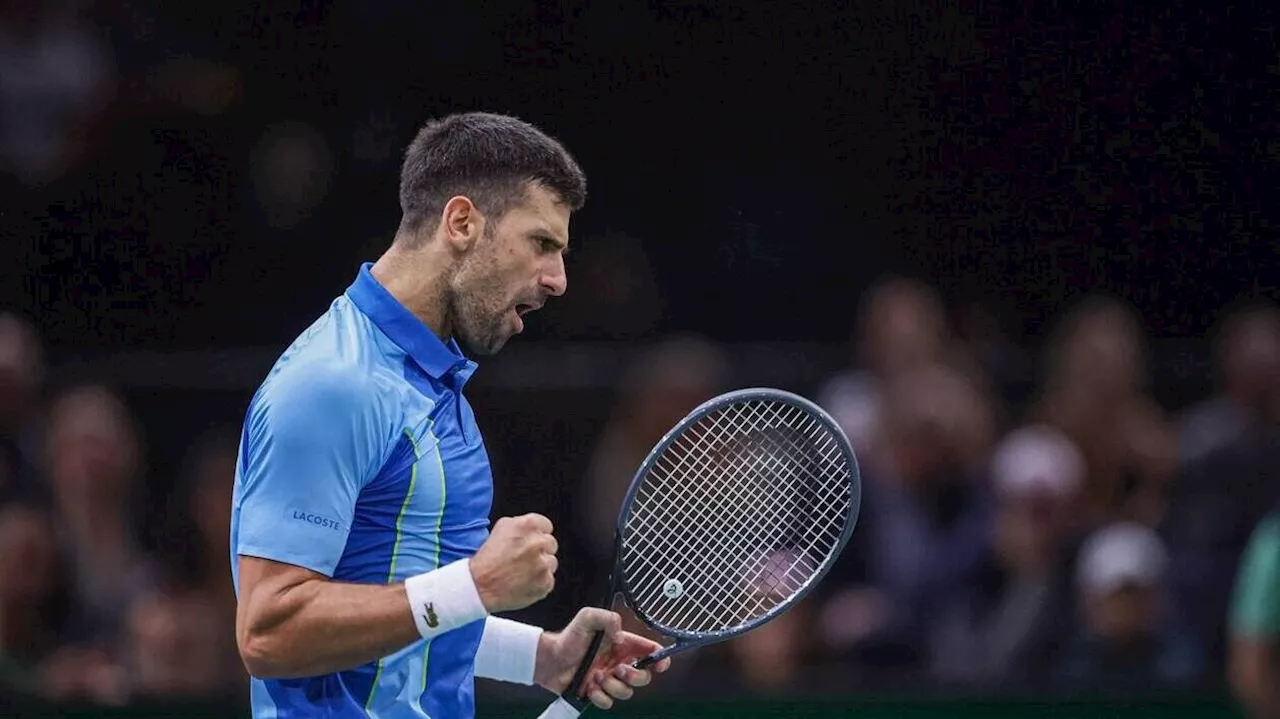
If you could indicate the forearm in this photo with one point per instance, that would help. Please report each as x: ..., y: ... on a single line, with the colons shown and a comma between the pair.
x: 318, y: 626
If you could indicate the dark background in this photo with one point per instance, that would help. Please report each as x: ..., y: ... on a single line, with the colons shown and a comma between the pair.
x: 771, y: 158
x: 753, y: 167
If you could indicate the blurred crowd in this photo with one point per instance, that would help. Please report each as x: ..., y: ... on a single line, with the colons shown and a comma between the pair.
x: 1087, y: 540
x: 85, y: 612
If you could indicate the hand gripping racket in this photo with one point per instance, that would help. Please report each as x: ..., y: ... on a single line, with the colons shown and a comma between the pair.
x: 735, y: 515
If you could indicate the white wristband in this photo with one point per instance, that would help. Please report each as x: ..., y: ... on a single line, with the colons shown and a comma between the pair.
x: 560, y: 709
x: 508, y: 651
x: 444, y: 599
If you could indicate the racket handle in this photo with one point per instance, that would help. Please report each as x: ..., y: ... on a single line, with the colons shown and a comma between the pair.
x: 647, y: 661
x: 579, y: 678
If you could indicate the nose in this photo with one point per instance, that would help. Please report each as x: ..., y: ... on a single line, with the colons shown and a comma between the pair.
x: 554, y: 280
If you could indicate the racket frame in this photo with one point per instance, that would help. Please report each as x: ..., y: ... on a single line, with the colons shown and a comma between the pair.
x: 685, y: 640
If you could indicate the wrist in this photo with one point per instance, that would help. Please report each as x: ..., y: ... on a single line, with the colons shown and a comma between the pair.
x: 480, y: 580
x: 543, y: 672
x: 508, y: 651
x: 444, y: 599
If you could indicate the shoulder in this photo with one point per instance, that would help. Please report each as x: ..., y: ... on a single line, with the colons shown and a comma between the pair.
x: 322, y: 386
x: 325, y: 396
x: 338, y: 364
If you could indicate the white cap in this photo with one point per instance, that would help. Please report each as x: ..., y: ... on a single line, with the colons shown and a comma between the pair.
x: 1121, y: 554
x: 1037, y: 459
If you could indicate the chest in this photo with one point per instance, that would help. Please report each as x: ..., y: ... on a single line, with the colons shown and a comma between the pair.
x: 450, y: 466
x: 437, y: 484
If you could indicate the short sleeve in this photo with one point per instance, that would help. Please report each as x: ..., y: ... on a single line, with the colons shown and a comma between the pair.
x: 1255, y: 609
x: 311, y: 442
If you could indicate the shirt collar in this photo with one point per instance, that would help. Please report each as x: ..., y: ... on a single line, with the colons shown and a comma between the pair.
x: 438, y: 359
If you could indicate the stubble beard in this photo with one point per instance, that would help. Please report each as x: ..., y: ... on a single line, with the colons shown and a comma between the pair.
x: 479, y: 326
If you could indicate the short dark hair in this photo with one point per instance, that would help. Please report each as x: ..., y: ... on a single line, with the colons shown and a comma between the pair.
x: 488, y: 158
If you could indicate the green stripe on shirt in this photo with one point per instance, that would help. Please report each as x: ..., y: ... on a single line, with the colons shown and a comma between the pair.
x: 395, y: 549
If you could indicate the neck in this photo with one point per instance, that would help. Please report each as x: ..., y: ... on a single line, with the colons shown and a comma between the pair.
x: 416, y: 278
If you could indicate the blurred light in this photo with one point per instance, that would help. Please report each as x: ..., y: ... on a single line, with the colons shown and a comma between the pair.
x: 292, y: 171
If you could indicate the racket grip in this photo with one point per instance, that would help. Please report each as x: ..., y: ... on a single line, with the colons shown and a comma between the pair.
x: 579, y: 678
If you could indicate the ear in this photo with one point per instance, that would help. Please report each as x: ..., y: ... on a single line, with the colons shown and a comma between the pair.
x: 461, y: 224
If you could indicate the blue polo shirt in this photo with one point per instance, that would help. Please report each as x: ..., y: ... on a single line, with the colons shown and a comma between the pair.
x: 361, y: 460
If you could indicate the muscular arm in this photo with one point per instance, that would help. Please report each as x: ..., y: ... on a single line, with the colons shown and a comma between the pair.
x: 312, y: 438
x: 293, y: 622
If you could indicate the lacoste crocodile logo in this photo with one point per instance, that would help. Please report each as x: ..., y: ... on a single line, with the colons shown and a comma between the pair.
x: 432, y: 620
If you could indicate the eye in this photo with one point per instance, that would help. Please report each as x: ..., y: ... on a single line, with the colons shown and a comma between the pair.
x: 548, y: 245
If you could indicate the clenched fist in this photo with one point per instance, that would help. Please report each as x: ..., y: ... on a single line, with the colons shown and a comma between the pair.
x: 516, y: 566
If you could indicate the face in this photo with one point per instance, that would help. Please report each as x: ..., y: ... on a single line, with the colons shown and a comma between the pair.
x: 1026, y: 531
x: 905, y: 330
x: 1123, y: 614
x: 91, y: 449
x: 1252, y: 361
x: 510, y: 271
x: 1103, y: 355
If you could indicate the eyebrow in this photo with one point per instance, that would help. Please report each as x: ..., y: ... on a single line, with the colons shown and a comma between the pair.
x: 545, y: 235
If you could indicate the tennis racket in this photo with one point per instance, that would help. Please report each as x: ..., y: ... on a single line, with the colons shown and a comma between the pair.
x: 735, y: 515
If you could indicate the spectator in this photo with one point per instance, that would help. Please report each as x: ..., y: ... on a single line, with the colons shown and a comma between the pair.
x: 193, y: 538
x: 21, y: 375
x: 1001, y: 629
x: 662, y: 387
x: 1254, y: 659
x: 93, y: 462
x: 771, y: 657
x: 33, y: 595
x: 901, y: 327
x: 1095, y: 393
x: 1130, y: 642
x: 1215, y: 503
x: 1248, y: 353
x: 923, y: 526
x: 195, y: 548
x: 174, y: 647
x: 986, y: 347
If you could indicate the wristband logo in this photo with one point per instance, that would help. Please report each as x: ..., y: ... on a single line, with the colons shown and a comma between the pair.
x: 316, y: 519
x: 430, y: 616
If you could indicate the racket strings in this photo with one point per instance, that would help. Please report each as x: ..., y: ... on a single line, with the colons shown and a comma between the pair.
x: 736, y: 516
x: 765, y: 562
x: 779, y: 515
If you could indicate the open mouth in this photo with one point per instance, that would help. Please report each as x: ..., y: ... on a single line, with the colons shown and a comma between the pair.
x: 523, y: 309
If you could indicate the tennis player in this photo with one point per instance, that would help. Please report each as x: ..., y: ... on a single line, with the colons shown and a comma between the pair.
x: 367, y: 576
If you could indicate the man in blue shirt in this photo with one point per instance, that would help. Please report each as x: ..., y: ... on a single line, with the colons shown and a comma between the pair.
x: 367, y: 576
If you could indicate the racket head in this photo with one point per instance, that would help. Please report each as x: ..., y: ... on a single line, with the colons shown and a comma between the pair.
x: 838, y: 460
